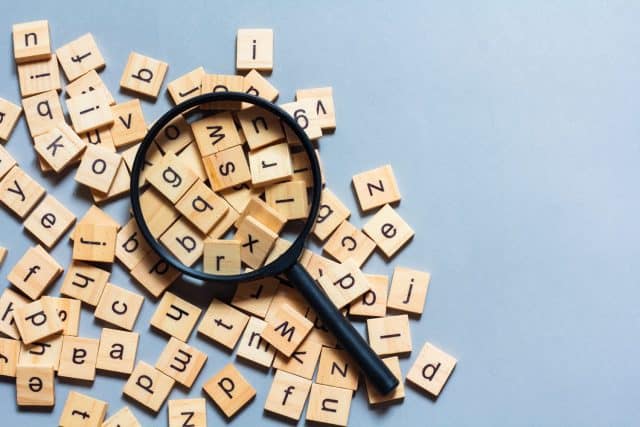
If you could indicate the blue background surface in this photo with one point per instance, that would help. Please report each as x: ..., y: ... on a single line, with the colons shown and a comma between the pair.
x: 513, y: 131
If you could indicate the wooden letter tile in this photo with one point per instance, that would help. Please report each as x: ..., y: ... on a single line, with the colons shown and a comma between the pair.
x: 331, y: 214
x: 215, y: 133
x: 6, y: 161
x: 432, y: 369
x: 372, y: 303
x: 186, y: 86
x: 129, y: 125
x: 408, y: 290
x: 286, y: 330
x: 59, y: 147
x: 35, y: 386
x: 119, y: 306
x: 388, y: 230
x: 304, y: 113
x: 131, y: 246
x: 42, y: 353
x: 227, y: 168
x: 181, y: 362
x: 223, y: 324
x: 254, y: 49
x: 34, y: 272
x: 270, y: 165
x: 337, y: 369
x: 202, y: 207
x: 329, y: 405
x: 264, y: 214
x: 49, y: 221
x: 348, y: 242
x: 253, y: 348
x: 390, y: 335
x: 325, y: 110
x: 94, y: 242
x: 154, y: 274
x: 119, y: 186
x: 397, y: 395
x: 123, y: 418
x: 376, y: 187
x: 255, y: 297
x: 31, y: 41
x: 255, y: 84
x: 117, y: 351
x: 98, y: 168
x: 239, y: 195
x: 187, y: 412
x: 143, y: 75
x: 78, y: 358
x: 9, y: 115
x: 90, y: 111
x: 229, y: 390
x: 222, y: 83
x: 82, y: 411
x: 344, y: 283
x: 148, y: 386
x: 303, y: 361
x: 89, y: 82
x: 37, y: 320
x: 9, y: 353
x: 260, y: 127
x: 10, y: 301
x: 80, y: 56
x: 256, y: 241
x: 289, y: 198
x: 84, y: 282
x: 43, y: 112
x: 19, y: 192
x: 287, y: 395
x: 175, y: 316
x: 38, y: 77
x: 175, y: 135
x: 184, y: 241
x: 68, y: 310
x: 158, y: 213
x: 222, y: 257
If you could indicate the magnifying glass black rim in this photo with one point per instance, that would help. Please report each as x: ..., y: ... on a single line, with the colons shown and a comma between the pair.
x: 284, y: 261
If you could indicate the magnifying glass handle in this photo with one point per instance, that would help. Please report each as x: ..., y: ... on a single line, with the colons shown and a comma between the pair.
x: 370, y: 364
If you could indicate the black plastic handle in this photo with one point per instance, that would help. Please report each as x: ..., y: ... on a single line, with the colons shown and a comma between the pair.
x: 370, y: 364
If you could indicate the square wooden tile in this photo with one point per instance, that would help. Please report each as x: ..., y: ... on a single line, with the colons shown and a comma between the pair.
x: 263, y: 213
x: 372, y: 303
x: 10, y: 113
x: 186, y: 86
x: 329, y: 405
x: 175, y: 316
x: 331, y: 213
x: 19, y: 192
x: 188, y: 412
x: 68, y: 310
x: 408, y: 290
x: 229, y: 390
x: 256, y: 241
x: 376, y: 187
x: 129, y: 125
x: 123, y: 418
x: 324, y: 105
x: 78, y: 358
x: 80, y: 56
x: 37, y: 320
x: 390, y: 335
x: 7, y: 162
x: 260, y: 127
x: 343, y: 283
x: 60, y: 147
x: 35, y: 386
x: 148, y: 386
x: 154, y: 274
x: 388, y: 230
x: 45, y: 352
x: 286, y: 330
x: 184, y: 241
x: 215, y: 133
x: 90, y: 111
x: 157, y: 211
x: 255, y: 84
x: 223, y: 324
x: 98, y: 168
x: 222, y: 83
x: 288, y: 395
x: 431, y: 369
x: 34, y: 272
x: 254, y: 49
x: 84, y: 282
x: 303, y: 112
x: 117, y: 351
x: 337, y: 369
x: 397, y: 395
x: 49, y: 221
x: 202, y: 207
x: 171, y: 177
x: 270, y: 164
x: 348, y: 242
x: 89, y: 82
x: 39, y: 76
x: 303, y: 360
x: 119, y: 306
x: 143, y: 75
x: 253, y: 348
x: 181, y: 362
x: 222, y: 257
x: 94, y: 242
x: 82, y: 411
x: 131, y: 245
x: 43, y: 112
x: 227, y: 168
x: 255, y: 297
x: 9, y: 353
x: 31, y: 41
x: 9, y: 302
x: 240, y: 195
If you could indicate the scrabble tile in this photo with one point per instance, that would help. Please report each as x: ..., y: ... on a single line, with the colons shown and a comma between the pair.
x: 19, y: 192
x: 337, y: 369
x: 431, y: 369
x: 190, y: 155
x: 324, y: 106
x: 123, y: 418
x: 171, y: 177
x: 239, y: 196
x: 270, y: 165
x: 35, y: 386
x: 7, y: 162
x: 408, y: 290
x: 94, y: 242
x: 78, y: 358
x: 117, y: 351
x: 148, y: 386
x: 344, y: 283
x: 376, y: 187
x: 224, y: 225
x: 256, y: 241
x: 34, y: 272
x: 187, y: 412
x: 120, y: 185
x: 229, y: 390
x: 84, y: 282
x: 175, y: 135
x: 331, y: 213
x: 43, y: 112
x: 10, y: 301
x: 222, y: 83
x: 254, y: 49
x: 181, y: 362
x: 286, y: 295
x: 286, y: 330
x: 119, y: 306
x: 388, y: 230
x: 40, y: 76
x: 129, y: 125
x: 37, y: 320
x: 222, y: 257
x: 131, y: 246
x: 264, y: 214
x: 154, y: 274
x: 303, y: 360
x: 95, y: 215
x: 90, y: 111
x: 68, y: 310
x: 89, y: 82
x: 390, y: 335
x: 255, y: 84
x: 279, y: 247
x: 157, y: 211
x: 175, y: 316
x: 260, y: 127
x: 255, y: 297
x: 9, y: 115
x: 143, y: 75
x: 223, y: 324
x: 287, y: 395
x: 227, y: 168
x: 60, y: 147
x: 302, y: 168
x: 320, y: 333
x: 80, y: 56
x: 31, y: 41
x: 329, y: 405
x: 303, y: 112
x: 202, y: 207
x: 348, y: 242
x: 9, y: 353
x: 253, y: 348
x: 289, y: 198
x: 3, y: 254
x: 82, y: 411
x: 184, y: 241
x: 49, y: 221
x: 215, y: 133
x: 42, y: 353
x: 397, y: 395
x: 317, y: 265
x: 186, y: 86
x: 372, y: 303
x: 98, y: 168
x: 100, y: 137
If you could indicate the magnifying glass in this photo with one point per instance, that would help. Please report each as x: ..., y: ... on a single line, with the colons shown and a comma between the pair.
x: 265, y: 124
